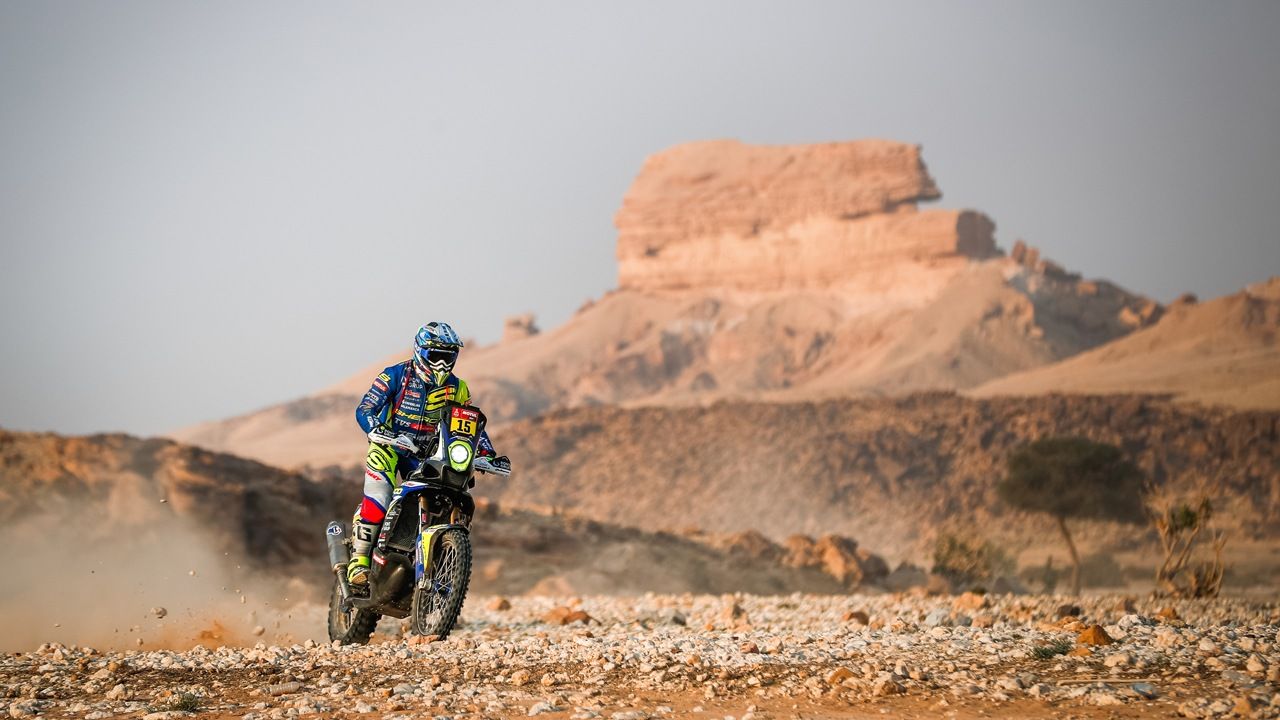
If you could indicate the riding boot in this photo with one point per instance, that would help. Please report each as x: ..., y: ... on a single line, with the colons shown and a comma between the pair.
x: 362, y: 535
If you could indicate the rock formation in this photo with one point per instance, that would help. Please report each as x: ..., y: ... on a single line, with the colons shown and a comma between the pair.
x: 724, y: 215
x: 519, y: 327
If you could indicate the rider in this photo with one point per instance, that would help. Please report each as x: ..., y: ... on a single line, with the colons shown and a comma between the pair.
x: 407, y: 398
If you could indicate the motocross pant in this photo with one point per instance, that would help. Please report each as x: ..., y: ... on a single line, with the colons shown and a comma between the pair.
x: 379, y: 483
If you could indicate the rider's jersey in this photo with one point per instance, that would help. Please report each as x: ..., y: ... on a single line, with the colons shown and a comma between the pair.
x: 400, y: 401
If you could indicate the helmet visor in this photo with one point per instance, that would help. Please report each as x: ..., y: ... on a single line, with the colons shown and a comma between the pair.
x: 438, y: 359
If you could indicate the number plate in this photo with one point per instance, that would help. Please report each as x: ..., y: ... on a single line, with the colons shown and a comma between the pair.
x: 463, y: 421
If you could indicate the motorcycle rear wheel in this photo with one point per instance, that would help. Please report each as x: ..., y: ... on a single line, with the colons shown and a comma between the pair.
x: 349, y: 627
x: 437, y: 604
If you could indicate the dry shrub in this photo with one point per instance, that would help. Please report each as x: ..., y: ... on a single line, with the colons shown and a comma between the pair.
x: 1191, y: 542
x: 968, y: 562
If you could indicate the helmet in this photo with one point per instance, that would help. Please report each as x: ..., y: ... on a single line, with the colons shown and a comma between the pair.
x: 435, y: 352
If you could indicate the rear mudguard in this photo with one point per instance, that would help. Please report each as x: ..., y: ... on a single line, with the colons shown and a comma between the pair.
x: 424, y: 553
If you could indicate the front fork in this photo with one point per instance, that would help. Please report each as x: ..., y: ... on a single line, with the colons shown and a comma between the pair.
x: 424, y: 554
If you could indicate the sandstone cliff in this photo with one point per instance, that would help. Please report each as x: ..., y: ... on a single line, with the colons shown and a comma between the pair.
x: 756, y: 218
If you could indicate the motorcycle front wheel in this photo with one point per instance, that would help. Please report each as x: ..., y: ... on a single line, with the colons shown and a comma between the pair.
x: 349, y: 627
x: 437, y: 601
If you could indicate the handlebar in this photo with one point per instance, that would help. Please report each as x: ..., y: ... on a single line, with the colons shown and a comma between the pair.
x: 406, y: 443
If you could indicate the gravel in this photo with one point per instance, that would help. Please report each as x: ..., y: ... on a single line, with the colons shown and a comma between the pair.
x: 782, y: 656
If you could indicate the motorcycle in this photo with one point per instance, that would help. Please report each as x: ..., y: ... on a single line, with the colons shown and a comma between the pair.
x: 421, y: 561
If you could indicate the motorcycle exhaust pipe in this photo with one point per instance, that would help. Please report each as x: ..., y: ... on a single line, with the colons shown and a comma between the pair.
x: 338, y: 556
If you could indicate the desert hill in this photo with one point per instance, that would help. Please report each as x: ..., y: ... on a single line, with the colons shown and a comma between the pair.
x: 757, y: 272
x: 1224, y: 351
x: 891, y: 472
x: 114, y: 499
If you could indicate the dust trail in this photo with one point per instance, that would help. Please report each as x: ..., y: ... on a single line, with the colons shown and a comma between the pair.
x: 74, y: 581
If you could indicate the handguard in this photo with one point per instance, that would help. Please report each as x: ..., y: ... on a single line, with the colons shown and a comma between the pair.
x: 403, y: 442
x: 486, y: 465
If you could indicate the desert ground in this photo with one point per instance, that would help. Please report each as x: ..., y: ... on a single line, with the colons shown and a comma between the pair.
x: 656, y: 656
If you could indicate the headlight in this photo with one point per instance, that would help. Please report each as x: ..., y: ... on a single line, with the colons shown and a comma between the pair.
x: 459, y: 455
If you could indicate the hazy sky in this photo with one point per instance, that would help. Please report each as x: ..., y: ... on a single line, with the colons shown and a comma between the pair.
x: 206, y: 208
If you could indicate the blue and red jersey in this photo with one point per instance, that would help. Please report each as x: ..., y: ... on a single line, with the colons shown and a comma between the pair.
x: 401, y: 402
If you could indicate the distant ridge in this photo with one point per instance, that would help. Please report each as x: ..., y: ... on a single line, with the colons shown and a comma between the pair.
x: 1224, y: 351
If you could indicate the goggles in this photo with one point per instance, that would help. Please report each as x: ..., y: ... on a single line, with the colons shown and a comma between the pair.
x: 438, y: 358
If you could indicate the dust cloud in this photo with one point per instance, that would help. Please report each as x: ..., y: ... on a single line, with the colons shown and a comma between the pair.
x: 161, y: 584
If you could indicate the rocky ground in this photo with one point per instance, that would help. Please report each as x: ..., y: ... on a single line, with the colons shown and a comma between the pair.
x: 707, y: 656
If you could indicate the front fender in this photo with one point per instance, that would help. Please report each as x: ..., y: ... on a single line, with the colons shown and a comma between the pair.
x: 424, y: 553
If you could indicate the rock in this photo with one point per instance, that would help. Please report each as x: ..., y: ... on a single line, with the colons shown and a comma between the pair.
x: 888, y: 687
x: 1120, y: 659
x: 258, y: 630
x: 116, y: 693
x: 1167, y: 613
x: 838, y: 675
x: 565, y: 616
x: 733, y: 614
x: 519, y: 327
x: 749, y: 647
x: 422, y: 639
x: 499, y: 604
x: 159, y: 612
x: 519, y: 677
x: 938, y: 617
x: 1167, y: 637
x: 1094, y: 635
x: 970, y: 601
x: 1019, y: 251
x: 1244, y: 706
x: 838, y: 556
x: 1065, y: 611
x: 1209, y: 648
x: 1255, y: 665
x: 857, y: 616
x: 1146, y: 690
x: 284, y: 688
x: 539, y: 708
x: 23, y: 709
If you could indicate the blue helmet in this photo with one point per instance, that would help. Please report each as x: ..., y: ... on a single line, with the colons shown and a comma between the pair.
x: 435, y: 352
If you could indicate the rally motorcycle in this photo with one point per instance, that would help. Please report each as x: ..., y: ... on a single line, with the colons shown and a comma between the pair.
x: 421, y: 562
